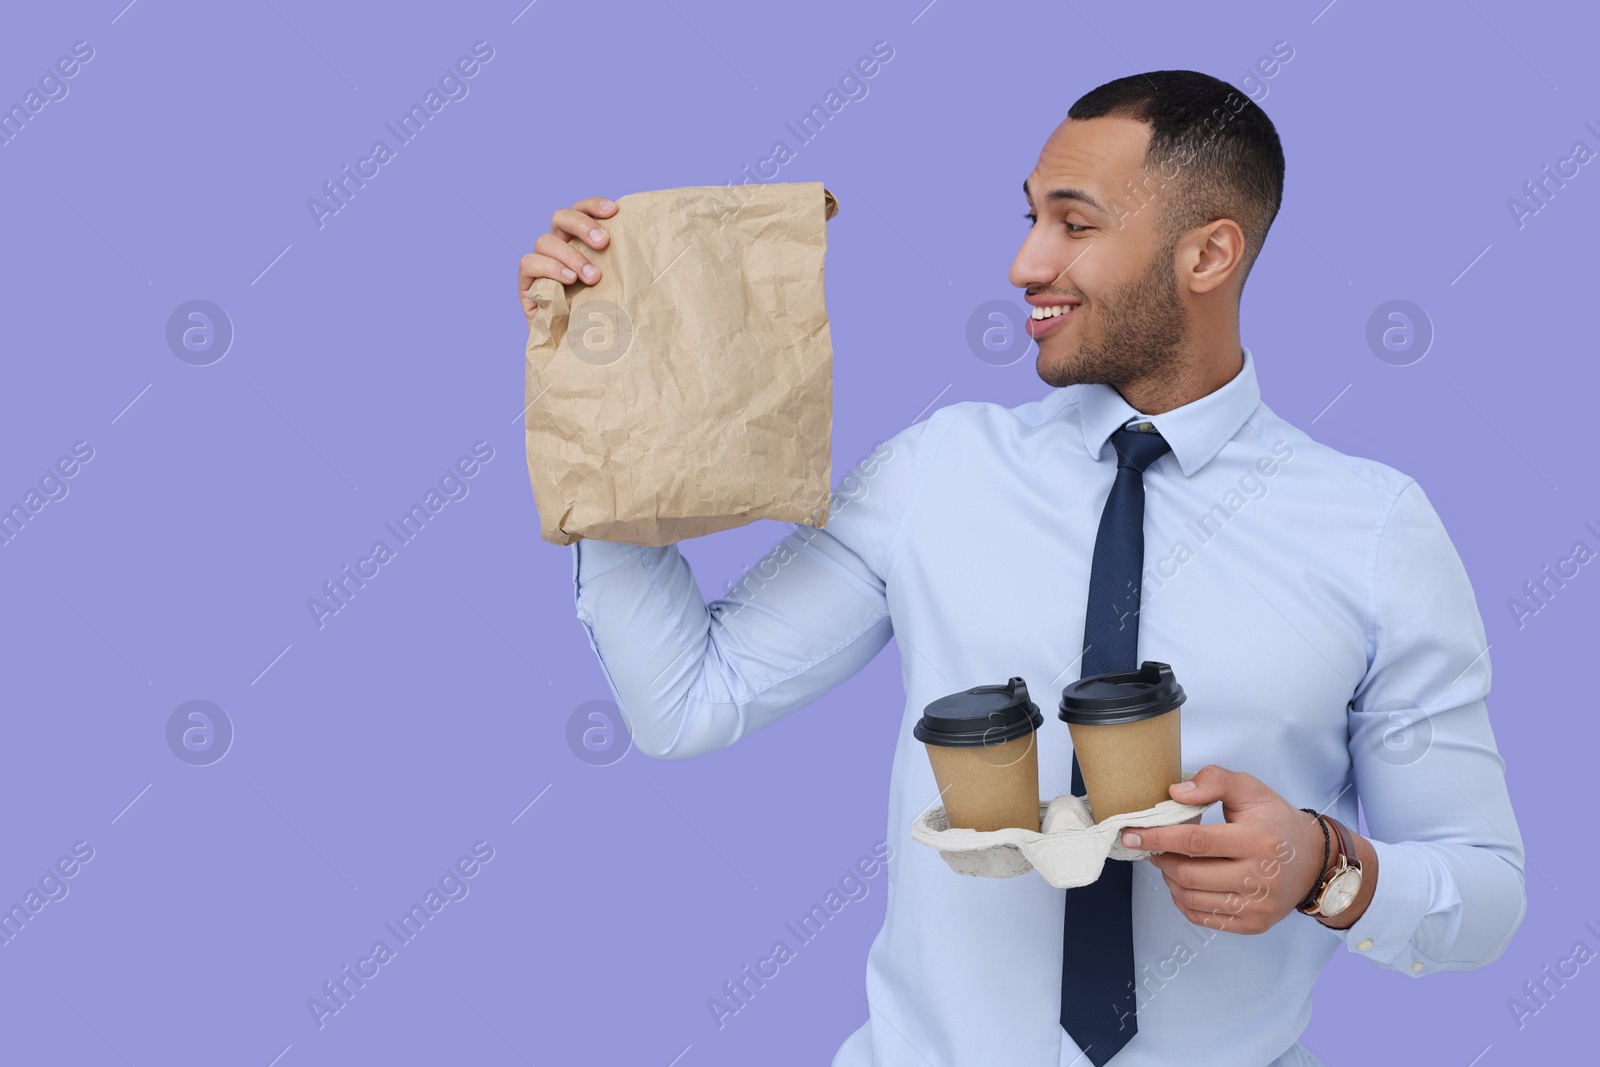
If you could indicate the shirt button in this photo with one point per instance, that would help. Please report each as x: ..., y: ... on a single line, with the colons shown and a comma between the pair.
x: 1415, y: 967
x: 1366, y: 943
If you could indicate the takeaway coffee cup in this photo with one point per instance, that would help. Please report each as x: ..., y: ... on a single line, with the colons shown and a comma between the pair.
x: 981, y: 745
x: 1125, y: 731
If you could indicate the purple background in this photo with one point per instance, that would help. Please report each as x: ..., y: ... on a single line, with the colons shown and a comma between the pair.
x: 372, y: 352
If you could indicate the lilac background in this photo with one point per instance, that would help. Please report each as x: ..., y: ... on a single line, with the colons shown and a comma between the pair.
x: 372, y: 352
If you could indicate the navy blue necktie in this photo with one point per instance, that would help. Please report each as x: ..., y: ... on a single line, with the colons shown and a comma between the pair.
x: 1098, y: 1002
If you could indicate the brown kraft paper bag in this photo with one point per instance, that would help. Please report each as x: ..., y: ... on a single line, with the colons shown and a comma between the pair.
x: 691, y: 389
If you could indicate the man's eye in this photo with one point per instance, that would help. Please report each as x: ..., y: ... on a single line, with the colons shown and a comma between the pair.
x: 1072, y: 227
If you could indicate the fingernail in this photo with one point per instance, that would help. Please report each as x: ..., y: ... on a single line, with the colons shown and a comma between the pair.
x: 607, y: 204
x: 597, y: 235
x: 1183, y: 787
x: 1130, y: 839
x: 568, y: 276
x: 589, y: 271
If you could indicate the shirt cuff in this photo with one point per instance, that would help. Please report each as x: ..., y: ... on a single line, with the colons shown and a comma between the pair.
x: 1383, y: 933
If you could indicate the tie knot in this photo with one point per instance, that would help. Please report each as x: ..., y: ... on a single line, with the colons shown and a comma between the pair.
x: 1138, y: 448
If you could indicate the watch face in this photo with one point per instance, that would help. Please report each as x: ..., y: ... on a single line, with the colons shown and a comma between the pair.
x: 1340, y: 892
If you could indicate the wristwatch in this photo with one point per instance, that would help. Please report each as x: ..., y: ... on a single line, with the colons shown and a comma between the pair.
x: 1341, y: 877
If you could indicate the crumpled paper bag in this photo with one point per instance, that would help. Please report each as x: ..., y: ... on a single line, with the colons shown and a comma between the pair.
x: 1069, y: 849
x: 691, y: 389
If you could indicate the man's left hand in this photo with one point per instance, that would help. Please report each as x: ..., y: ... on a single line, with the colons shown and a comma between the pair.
x: 1242, y: 875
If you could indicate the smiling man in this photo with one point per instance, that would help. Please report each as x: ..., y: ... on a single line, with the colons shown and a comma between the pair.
x: 1326, y: 635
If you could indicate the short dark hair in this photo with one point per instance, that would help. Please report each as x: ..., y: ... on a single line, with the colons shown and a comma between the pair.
x: 1226, y: 148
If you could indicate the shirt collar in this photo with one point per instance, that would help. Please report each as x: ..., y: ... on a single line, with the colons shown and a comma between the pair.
x: 1196, y: 431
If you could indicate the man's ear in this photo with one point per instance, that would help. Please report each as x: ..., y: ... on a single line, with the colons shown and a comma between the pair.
x: 1210, y: 256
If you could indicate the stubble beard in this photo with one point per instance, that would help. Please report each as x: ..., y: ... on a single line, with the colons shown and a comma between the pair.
x: 1141, y: 334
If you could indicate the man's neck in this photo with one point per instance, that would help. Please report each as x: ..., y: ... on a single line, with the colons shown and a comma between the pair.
x: 1195, y: 378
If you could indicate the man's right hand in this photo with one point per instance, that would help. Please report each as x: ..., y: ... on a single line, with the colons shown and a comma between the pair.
x: 553, y: 257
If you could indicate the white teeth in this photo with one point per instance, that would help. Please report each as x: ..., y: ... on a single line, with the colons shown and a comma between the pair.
x: 1051, y: 311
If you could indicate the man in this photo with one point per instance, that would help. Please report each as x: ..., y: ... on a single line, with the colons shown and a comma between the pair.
x: 1310, y: 603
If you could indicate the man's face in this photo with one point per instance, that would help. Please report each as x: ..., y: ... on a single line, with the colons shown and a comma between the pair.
x: 1095, y: 247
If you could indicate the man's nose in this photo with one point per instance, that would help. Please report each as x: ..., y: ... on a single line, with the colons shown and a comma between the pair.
x: 1032, y: 265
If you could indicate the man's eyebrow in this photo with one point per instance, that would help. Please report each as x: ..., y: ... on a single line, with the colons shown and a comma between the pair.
x: 1070, y: 192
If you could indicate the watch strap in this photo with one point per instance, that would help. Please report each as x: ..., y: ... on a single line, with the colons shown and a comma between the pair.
x: 1347, y: 848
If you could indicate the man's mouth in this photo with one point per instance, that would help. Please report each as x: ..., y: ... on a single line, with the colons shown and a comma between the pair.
x: 1048, y: 318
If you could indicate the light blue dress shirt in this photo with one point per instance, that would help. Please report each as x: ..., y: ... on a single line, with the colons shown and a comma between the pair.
x: 1310, y: 603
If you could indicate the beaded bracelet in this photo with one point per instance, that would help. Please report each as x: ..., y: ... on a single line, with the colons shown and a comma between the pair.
x: 1327, y: 847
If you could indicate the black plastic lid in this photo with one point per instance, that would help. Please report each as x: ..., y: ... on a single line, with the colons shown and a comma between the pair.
x: 1125, y: 696
x: 983, y: 715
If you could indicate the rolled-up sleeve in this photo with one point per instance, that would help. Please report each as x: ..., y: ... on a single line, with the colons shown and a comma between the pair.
x: 1450, y: 892
x: 691, y: 677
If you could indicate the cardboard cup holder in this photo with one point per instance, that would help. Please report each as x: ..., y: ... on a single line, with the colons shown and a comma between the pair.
x: 1069, y: 850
